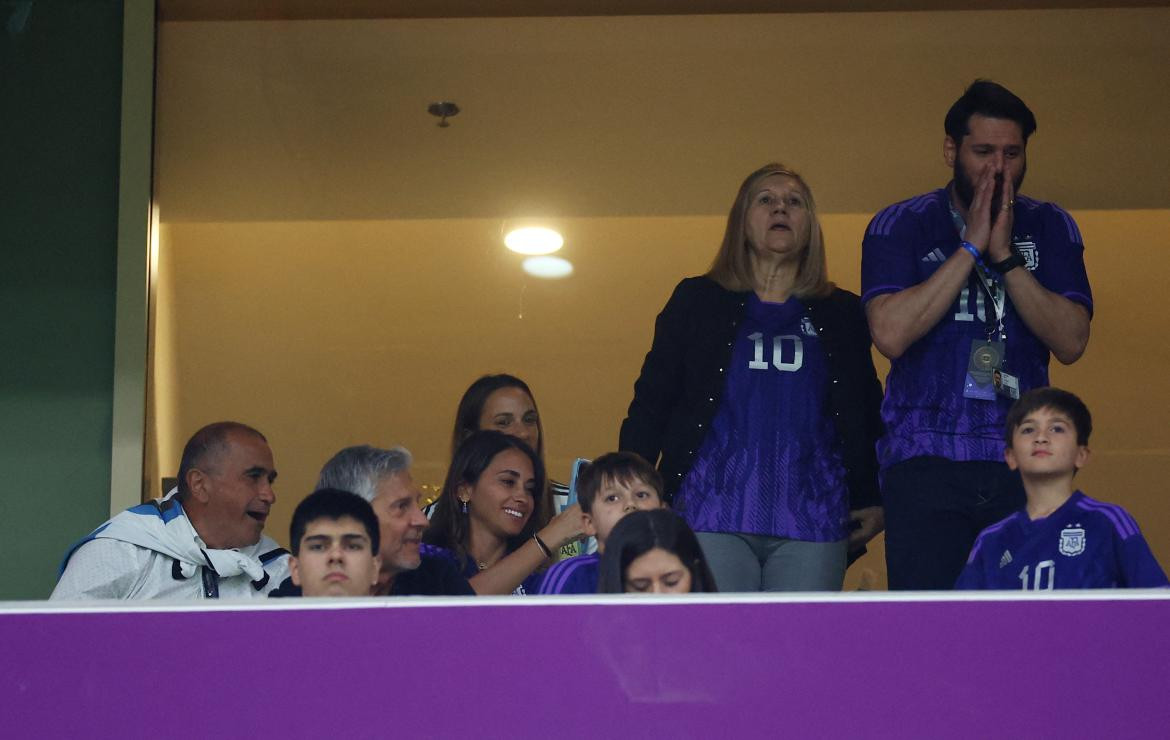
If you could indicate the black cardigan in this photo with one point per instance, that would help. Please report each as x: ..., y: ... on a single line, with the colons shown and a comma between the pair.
x: 683, y: 377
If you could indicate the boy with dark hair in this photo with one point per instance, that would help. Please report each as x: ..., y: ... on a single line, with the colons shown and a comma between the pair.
x: 1062, y: 538
x: 334, y: 538
x: 608, y: 488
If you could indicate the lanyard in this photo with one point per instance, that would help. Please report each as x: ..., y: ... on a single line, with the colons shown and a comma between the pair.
x: 996, y: 293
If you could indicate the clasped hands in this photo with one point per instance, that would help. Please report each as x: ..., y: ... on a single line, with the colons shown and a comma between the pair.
x: 991, y: 236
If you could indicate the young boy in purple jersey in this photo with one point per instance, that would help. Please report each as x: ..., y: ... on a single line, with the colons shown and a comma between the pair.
x: 610, y: 487
x: 1062, y: 538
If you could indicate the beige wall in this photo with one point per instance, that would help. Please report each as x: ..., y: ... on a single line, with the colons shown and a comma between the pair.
x: 640, y: 116
x: 165, y: 435
x: 337, y: 333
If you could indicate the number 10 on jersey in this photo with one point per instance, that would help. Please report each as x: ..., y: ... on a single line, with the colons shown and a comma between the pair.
x: 784, y: 346
x: 1043, y: 578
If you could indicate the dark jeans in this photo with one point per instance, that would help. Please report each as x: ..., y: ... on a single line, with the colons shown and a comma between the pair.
x: 935, y: 508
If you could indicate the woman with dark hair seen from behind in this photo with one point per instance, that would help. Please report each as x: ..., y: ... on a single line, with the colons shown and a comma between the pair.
x: 653, y: 551
x: 505, y: 403
x: 488, y: 515
x: 760, y: 395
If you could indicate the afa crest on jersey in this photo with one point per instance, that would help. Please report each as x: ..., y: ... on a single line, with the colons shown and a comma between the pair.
x: 1072, y: 541
x: 807, y: 327
x: 1027, y: 249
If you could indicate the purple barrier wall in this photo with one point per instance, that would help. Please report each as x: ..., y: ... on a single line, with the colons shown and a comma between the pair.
x: 534, y: 668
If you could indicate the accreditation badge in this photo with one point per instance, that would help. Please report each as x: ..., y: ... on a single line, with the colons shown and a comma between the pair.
x: 985, y: 362
x: 1006, y: 384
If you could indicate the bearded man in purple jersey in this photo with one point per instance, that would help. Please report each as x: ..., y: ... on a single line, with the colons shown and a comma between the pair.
x: 969, y: 289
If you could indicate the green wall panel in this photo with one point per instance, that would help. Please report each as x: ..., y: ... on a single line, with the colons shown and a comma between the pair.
x: 60, y: 90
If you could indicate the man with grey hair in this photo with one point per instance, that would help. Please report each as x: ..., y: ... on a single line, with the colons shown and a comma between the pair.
x: 383, y: 478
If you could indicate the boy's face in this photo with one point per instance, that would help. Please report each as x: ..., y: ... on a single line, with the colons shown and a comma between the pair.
x: 335, y: 559
x: 1045, y: 444
x: 615, y: 500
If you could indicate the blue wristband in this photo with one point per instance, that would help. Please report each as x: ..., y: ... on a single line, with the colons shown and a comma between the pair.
x: 974, y: 252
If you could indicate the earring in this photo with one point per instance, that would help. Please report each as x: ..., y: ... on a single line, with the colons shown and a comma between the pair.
x: 464, y: 507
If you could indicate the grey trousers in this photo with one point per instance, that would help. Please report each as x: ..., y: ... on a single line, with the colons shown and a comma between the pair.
x: 748, y: 562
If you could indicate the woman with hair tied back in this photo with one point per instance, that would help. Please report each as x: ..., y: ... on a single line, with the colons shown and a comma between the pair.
x: 505, y: 404
x: 760, y: 396
x: 653, y: 551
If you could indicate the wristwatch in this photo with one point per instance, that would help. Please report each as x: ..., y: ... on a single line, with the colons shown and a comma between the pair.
x: 1016, y: 260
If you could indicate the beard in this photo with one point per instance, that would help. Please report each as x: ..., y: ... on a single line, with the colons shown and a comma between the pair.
x: 965, y: 188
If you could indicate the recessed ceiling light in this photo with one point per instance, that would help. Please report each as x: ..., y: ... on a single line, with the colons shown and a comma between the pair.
x: 548, y: 267
x: 534, y: 240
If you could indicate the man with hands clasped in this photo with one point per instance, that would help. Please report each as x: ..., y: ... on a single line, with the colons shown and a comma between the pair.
x: 968, y: 290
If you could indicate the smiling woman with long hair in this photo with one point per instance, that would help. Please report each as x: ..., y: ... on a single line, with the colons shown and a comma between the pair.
x: 760, y: 400
x: 505, y: 403
x: 488, y: 515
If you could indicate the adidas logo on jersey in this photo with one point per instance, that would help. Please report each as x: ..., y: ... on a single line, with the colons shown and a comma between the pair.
x: 935, y: 256
x: 1007, y: 558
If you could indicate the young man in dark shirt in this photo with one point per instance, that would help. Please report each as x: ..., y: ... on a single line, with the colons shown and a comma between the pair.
x: 383, y: 478
x: 334, y: 539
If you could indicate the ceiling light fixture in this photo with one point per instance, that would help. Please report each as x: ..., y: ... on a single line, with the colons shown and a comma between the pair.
x: 550, y: 268
x: 534, y: 240
x: 443, y: 110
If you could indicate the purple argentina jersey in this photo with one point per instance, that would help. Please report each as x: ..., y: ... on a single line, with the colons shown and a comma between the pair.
x: 1083, y: 544
x: 577, y: 575
x: 770, y: 464
x: 924, y: 408
x: 530, y: 585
